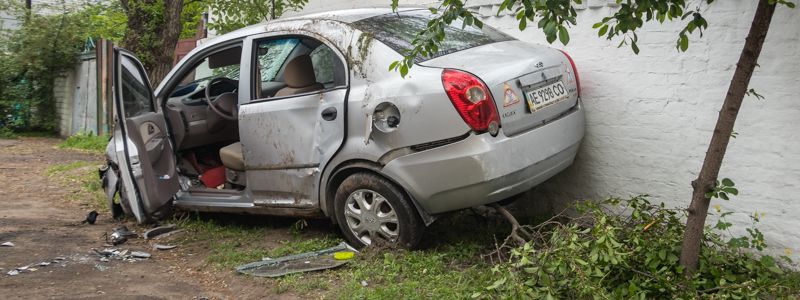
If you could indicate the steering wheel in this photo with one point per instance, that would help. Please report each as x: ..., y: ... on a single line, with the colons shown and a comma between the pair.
x: 213, y: 103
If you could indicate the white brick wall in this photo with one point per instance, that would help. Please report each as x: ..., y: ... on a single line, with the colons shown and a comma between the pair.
x: 650, y: 117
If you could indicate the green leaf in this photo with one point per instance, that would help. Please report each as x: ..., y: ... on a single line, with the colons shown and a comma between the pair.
x: 563, y: 35
x: 602, y: 30
x: 394, y: 65
x: 683, y: 43
x: 727, y: 182
x: 730, y: 190
x: 523, y: 23
x: 634, y: 47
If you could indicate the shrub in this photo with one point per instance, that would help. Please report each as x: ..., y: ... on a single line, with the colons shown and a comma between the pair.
x: 630, y: 249
x: 6, y: 133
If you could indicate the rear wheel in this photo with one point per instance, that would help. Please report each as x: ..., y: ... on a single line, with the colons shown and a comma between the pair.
x: 369, y: 208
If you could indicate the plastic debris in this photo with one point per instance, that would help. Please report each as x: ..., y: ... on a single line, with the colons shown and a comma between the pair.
x: 7, y: 244
x: 13, y: 273
x: 304, y: 262
x: 44, y: 263
x: 164, y: 247
x: 109, y: 254
x: 91, y: 217
x: 364, y: 283
x: 140, y: 254
x: 100, y: 267
x: 120, y: 235
x: 152, y: 233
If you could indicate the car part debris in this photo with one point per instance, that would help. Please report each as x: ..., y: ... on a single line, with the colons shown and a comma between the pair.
x: 140, y: 254
x: 91, y: 217
x: 120, y: 235
x: 152, y: 233
x: 164, y: 247
x: 7, y: 244
x: 304, y: 262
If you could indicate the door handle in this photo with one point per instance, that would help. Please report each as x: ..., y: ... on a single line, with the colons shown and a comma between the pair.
x: 329, y: 114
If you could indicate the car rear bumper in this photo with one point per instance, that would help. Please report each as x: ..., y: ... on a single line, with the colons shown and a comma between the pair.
x: 482, y: 169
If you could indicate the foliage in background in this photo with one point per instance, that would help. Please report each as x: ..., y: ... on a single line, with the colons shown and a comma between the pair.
x: 229, y: 15
x: 30, y: 59
x: 45, y: 46
x: 625, y: 249
x: 555, y: 17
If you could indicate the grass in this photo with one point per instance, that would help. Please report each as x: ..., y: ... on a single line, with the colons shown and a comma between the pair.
x: 80, y: 178
x: 449, y: 265
x: 87, y: 142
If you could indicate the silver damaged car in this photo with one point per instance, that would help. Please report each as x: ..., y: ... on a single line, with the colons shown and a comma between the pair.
x: 301, y: 117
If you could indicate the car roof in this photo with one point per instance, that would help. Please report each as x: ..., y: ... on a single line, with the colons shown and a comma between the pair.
x: 344, y: 16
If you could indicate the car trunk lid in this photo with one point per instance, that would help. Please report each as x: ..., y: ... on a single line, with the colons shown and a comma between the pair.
x: 530, y: 84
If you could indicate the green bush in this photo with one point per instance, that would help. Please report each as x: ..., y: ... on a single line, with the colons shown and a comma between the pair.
x: 633, y: 252
x: 89, y: 142
x: 6, y: 133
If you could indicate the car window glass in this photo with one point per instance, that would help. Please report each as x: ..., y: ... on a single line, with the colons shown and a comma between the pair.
x: 136, y: 95
x: 272, y: 54
x: 397, y: 30
x: 322, y: 58
x: 224, y: 63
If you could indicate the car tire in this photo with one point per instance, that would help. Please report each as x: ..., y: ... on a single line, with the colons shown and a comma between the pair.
x: 369, y: 207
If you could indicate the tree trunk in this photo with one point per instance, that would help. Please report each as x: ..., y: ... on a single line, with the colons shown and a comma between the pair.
x: 706, y: 180
x: 154, y: 27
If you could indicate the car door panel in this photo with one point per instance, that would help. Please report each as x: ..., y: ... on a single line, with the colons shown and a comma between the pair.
x: 144, y: 153
x: 156, y: 170
x: 285, y: 141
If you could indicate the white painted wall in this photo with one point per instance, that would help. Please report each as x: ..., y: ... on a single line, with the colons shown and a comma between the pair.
x: 650, y: 117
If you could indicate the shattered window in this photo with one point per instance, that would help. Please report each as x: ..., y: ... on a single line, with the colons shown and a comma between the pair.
x: 397, y: 30
x: 322, y: 59
x: 272, y: 54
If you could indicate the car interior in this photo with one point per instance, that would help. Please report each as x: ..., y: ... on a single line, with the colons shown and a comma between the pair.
x: 202, y: 110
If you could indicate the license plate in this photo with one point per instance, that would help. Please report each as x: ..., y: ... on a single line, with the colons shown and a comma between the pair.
x: 545, y: 96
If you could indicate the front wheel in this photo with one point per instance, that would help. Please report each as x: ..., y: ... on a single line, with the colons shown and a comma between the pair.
x: 369, y: 207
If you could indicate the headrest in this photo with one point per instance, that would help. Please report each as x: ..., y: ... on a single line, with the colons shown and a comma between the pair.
x: 300, y: 72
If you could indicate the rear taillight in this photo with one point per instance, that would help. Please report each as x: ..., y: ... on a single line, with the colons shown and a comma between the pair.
x: 472, y: 100
x: 574, y: 70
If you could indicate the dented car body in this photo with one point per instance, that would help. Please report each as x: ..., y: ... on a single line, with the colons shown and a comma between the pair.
x: 301, y: 117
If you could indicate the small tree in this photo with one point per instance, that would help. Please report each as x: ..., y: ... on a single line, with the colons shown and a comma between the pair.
x: 554, y: 18
x: 31, y: 57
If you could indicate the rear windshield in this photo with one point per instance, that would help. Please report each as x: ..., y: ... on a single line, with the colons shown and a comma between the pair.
x: 397, y: 30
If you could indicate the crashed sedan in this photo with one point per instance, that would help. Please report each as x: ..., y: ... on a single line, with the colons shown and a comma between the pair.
x: 301, y: 117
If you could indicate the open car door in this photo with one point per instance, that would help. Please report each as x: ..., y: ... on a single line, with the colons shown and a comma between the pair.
x: 144, y: 152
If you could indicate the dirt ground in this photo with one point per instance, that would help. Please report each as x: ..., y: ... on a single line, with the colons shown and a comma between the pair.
x: 35, y: 216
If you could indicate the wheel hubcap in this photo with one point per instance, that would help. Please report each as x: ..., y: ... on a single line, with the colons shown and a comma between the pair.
x: 369, y: 215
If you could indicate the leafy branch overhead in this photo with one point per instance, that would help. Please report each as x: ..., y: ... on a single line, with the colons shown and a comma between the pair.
x: 556, y: 17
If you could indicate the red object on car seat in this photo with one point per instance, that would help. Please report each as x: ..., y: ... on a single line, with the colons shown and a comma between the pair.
x: 213, y: 177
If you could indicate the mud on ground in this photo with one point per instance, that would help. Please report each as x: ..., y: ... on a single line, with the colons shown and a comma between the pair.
x: 39, y: 217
